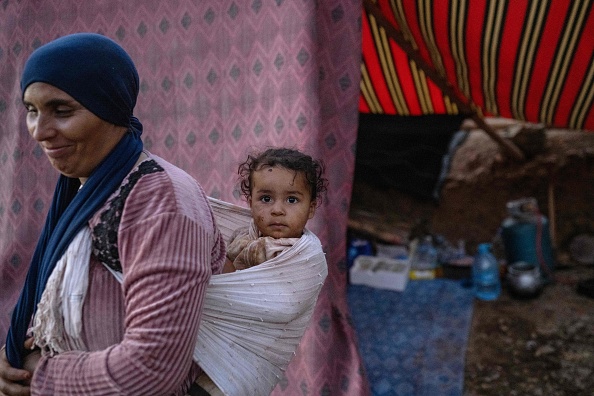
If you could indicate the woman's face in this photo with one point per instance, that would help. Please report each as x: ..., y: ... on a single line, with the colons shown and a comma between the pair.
x: 74, y: 139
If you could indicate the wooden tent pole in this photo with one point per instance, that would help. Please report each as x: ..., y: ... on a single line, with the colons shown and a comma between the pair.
x: 446, y: 88
x: 510, y: 147
x: 551, y: 205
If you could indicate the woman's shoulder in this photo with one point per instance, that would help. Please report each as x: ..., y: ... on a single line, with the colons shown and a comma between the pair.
x: 156, y: 187
x: 158, y: 176
x: 166, y: 171
x: 177, y: 186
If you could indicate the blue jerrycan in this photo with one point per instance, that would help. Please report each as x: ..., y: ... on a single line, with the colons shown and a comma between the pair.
x: 526, y: 237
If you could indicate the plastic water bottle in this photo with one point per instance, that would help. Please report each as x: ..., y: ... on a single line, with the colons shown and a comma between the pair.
x: 426, y: 255
x: 358, y: 247
x: 485, y: 274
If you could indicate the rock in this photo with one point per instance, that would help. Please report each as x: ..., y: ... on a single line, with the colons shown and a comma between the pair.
x: 544, y: 350
x: 531, y: 139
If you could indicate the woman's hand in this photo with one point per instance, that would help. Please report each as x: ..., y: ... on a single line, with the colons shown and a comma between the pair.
x: 32, y: 357
x: 12, y: 380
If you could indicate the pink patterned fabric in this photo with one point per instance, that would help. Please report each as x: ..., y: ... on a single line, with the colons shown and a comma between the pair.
x: 218, y: 79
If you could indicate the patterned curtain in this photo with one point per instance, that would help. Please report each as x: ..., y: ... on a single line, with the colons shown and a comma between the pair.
x: 218, y: 79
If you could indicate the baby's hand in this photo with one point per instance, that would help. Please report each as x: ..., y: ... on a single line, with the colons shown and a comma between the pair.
x: 253, y: 254
x: 236, y: 246
x: 239, y: 240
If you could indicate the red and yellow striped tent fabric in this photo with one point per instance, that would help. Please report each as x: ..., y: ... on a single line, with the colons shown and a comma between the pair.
x: 527, y: 60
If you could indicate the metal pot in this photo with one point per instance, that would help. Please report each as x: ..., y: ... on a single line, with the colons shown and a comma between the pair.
x: 524, y: 279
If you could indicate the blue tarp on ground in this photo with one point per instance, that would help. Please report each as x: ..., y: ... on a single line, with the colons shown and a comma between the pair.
x: 413, y: 342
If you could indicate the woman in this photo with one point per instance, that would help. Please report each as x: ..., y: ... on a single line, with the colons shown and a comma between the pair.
x: 116, y: 210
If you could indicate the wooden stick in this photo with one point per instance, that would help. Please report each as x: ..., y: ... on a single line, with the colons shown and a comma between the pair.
x: 551, y: 194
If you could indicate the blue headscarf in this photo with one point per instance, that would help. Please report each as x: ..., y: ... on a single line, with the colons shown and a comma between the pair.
x: 100, y: 75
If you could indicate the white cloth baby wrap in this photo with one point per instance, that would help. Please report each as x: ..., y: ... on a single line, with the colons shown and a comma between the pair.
x: 252, y: 320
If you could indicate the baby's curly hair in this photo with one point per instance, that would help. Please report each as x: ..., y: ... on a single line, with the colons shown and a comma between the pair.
x: 291, y: 159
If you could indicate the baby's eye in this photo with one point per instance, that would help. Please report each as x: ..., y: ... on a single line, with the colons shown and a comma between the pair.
x: 292, y: 200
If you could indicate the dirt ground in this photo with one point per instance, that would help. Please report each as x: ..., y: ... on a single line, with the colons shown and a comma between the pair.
x: 541, y: 346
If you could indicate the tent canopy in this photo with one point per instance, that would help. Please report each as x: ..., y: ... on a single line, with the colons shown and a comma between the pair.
x: 527, y: 60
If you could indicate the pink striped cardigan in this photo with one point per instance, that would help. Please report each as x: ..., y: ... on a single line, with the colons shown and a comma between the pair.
x: 140, y: 334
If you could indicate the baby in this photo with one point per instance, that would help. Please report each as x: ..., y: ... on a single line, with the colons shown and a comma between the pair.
x: 283, y: 188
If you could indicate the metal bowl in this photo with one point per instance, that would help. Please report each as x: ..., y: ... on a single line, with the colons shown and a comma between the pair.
x: 524, y: 280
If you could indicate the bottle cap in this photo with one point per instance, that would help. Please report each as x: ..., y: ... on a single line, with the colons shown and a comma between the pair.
x: 484, y: 247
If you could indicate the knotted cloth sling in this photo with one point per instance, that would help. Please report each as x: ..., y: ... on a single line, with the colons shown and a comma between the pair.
x: 252, y: 319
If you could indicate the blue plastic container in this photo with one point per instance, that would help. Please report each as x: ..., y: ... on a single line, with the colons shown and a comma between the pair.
x: 358, y: 247
x: 529, y: 240
x: 486, y: 283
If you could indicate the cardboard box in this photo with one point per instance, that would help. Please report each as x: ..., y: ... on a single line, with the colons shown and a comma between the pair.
x: 380, y: 272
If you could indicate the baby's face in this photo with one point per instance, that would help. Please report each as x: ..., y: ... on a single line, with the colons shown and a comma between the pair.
x: 281, y: 202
